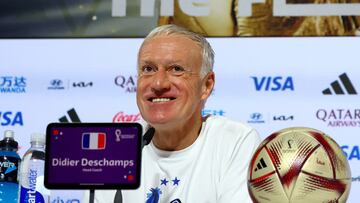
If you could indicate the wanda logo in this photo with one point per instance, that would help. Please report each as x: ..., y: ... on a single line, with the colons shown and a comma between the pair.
x: 122, y: 117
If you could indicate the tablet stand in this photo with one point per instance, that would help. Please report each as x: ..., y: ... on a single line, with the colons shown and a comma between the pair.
x: 146, y: 140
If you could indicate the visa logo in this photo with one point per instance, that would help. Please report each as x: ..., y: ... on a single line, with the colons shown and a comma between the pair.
x: 276, y: 83
x: 351, y: 152
x: 93, y: 141
x: 9, y: 118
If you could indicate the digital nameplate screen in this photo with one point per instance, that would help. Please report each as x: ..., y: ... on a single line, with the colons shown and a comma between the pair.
x: 93, y: 155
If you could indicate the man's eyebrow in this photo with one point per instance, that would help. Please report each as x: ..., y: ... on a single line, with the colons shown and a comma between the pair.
x: 147, y: 62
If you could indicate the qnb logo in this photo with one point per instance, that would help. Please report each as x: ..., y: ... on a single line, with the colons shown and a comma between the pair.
x: 283, y: 118
x: 277, y: 83
x: 256, y: 118
x: 351, y: 152
x: 12, y: 84
x: 60, y: 200
x: 126, y: 83
x: 339, y: 117
x: 56, y: 84
x: 338, y: 90
x: 215, y: 112
x: 9, y: 118
x: 82, y: 84
x: 122, y: 117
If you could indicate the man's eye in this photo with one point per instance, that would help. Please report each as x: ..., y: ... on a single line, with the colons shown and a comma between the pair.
x: 177, y: 69
x: 147, y: 69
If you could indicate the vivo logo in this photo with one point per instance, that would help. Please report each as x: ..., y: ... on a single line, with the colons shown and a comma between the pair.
x: 276, y: 83
x: 59, y: 200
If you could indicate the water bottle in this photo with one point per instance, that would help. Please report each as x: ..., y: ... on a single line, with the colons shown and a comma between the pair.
x: 31, y: 179
x: 9, y: 163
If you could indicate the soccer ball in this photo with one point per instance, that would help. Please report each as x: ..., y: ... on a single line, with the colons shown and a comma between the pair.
x: 299, y: 165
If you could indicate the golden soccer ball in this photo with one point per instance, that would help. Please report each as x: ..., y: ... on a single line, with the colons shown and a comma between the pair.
x: 299, y: 165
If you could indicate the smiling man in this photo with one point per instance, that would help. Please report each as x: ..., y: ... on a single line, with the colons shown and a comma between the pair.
x: 190, y: 158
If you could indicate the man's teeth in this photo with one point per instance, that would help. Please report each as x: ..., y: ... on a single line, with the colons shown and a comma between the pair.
x: 160, y: 100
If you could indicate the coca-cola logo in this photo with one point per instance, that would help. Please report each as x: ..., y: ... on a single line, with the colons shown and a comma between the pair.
x: 122, y: 117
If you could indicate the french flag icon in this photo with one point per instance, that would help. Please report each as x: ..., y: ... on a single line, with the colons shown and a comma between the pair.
x: 93, y: 141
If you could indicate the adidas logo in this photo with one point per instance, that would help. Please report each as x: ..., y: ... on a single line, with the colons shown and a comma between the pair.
x: 336, y: 86
x: 261, y: 165
x: 73, y: 117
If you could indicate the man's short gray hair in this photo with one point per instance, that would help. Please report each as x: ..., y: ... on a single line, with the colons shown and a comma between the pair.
x: 207, y: 51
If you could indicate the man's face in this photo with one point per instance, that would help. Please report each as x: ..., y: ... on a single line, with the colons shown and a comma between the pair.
x: 170, y: 91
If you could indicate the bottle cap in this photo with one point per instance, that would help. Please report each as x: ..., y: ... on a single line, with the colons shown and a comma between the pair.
x: 8, y: 143
x: 38, y: 137
x: 9, y: 134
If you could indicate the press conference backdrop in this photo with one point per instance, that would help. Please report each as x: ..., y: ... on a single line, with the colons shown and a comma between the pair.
x: 268, y: 83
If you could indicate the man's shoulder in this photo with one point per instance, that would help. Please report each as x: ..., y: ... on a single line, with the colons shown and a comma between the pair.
x: 228, y: 127
x: 222, y: 131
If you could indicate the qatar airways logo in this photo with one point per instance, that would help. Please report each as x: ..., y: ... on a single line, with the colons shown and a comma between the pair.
x: 121, y: 117
x: 202, y: 8
x: 128, y: 83
x: 339, y: 117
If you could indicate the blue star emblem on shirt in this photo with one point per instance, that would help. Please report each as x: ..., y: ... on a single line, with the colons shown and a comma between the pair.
x: 176, y: 181
x: 164, y: 181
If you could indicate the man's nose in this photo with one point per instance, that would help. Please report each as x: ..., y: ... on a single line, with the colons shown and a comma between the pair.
x: 161, y: 82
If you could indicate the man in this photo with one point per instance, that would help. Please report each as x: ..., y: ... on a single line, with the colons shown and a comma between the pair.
x: 190, y: 158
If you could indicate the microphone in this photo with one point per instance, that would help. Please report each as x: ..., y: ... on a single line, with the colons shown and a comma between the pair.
x: 145, y: 141
x: 148, y: 136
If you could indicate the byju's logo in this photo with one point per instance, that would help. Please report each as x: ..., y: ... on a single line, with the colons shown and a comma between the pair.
x: 256, y: 118
x: 351, y: 152
x: 9, y: 118
x: 277, y: 83
x: 338, y: 90
x: 56, y: 84
x: 339, y: 117
x: 73, y: 117
x: 215, y: 112
x: 82, y: 84
x: 128, y: 83
x: 123, y: 117
x: 12, y: 84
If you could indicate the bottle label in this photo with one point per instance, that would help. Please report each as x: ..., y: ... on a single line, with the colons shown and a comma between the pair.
x: 9, y: 169
x: 30, y: 194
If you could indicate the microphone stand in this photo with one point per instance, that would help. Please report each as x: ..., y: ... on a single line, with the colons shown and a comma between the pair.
x: 146, y: 140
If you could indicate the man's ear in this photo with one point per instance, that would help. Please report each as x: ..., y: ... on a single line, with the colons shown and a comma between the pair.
x: 207, y: 85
